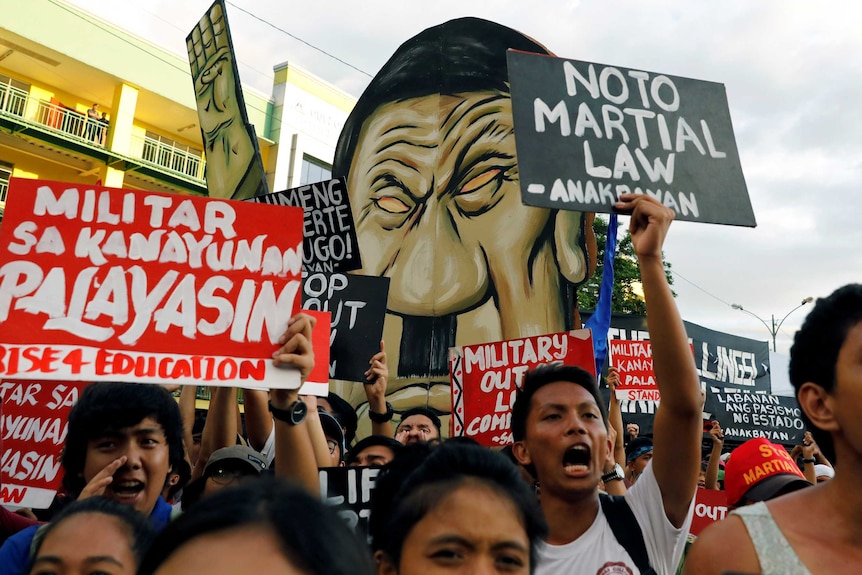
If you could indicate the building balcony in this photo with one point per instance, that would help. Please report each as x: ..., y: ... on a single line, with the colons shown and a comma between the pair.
x: 152, y: 154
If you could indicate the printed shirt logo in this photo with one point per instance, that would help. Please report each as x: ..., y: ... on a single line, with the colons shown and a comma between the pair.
x: 611, y: 568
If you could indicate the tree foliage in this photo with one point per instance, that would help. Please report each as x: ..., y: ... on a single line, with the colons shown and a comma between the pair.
x: 628, y: 295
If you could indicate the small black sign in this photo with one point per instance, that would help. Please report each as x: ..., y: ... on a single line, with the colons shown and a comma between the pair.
x: 358, y: 307
x: 330, y: 235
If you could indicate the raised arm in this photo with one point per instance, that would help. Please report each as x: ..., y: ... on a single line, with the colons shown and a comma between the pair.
x: 220, y: 428
x: 258, y: 421
x: 714, y: 456
x: 677, y: 427
x: 615, y: 417
x: 294, y: 456
x: 375, y: 392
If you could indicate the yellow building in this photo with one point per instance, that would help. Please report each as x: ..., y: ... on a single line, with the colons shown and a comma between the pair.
x: 56, y: 61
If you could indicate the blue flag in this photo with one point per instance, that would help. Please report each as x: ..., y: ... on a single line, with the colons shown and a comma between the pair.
x: 600, y: 321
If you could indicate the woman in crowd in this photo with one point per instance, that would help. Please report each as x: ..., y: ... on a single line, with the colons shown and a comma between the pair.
x: 464, y: 509
x: 266, y: 526
x: 95, y: 535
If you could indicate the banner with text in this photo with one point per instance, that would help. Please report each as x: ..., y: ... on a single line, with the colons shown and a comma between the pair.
x: 358, y: 307
x: 32, y: 434
x: 485, y: 379
x: 588, y: 132
x: 349, y: 490
x: 330, y: 235
x: 746, y: 415
x: 101, y: 284
x: 723, y: 361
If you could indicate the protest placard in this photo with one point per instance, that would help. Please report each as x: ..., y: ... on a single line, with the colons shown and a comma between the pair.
x: 746, y: 415
x: 710, y: 505
x: 633, y: 359
x: 330, y: 243
x: 349, y: 490
x: 485, y: 379
x: 318, y: 380
x: 100, y: 284
x: 587, y: 132
x: 32, y: 434
x: 358, y: 307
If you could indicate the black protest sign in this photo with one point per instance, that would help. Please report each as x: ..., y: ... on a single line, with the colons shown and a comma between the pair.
x: 587, y: 132
x: 349, y: 490
x: 330, y: 236
x: 746, y: 415
x: 358, y: 307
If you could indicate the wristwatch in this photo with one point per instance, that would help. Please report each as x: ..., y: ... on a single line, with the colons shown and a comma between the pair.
x: 293, y: 415
x: 381, y: 417
x: 615, y: 474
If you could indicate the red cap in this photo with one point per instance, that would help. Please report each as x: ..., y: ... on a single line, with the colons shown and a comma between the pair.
x: 759, y: 470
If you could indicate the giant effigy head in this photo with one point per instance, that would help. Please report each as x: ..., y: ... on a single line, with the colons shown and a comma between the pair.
x: 429, y: 156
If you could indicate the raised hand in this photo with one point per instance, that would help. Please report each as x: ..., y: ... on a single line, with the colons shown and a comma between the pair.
x: 233, y: 168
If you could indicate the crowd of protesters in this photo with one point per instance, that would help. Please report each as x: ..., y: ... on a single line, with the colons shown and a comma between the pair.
x: 149, y: 487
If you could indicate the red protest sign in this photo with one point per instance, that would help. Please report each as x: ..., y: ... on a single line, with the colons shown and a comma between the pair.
x: 710, y: 505
x: 318, y: 380
x: 101, y: 284
x: 485, y: 379
x: 33, y: 430
x: 633, y: 359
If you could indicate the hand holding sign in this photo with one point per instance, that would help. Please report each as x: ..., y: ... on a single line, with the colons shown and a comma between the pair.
x: 296, y: 350
x: 648, y: 225
x: 378, y: 375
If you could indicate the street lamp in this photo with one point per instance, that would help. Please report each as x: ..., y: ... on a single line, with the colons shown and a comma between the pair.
x: 773, y: 329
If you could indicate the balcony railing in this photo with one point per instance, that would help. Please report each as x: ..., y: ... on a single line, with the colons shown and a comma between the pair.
x: 4, y: 188
x: 78, y: 127
x: 170, y: 157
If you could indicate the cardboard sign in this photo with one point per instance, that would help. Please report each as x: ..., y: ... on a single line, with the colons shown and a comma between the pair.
x: 485, y: 379
x: 587, y: 132
x: 349, y: 490
x: 710, y: 505
x: 746, y: 415
x: 330, y: 236
x: 358, y: 308
x: 32, y: 434
x: 234, y: 167
x: 633, y: 359
x: 100, y: 284
x: 318, y: 380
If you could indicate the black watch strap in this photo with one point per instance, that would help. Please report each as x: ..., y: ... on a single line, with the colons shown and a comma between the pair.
x: 293, y: 415
x: 381, y: 417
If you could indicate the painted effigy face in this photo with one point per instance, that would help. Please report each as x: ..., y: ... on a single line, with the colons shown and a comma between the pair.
x: 434, y: 188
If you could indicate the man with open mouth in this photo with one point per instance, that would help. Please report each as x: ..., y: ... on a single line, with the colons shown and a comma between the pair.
x: 559, y: 424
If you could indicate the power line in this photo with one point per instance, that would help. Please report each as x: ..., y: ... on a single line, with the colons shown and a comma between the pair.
x: 298, y: 39
x: 685, y: 279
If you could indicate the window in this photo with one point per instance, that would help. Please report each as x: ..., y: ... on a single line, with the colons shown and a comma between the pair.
x: 313, y: 171
x: 5, y: 174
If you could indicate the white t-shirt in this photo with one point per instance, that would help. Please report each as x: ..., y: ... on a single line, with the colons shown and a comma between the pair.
x: 597, y: 551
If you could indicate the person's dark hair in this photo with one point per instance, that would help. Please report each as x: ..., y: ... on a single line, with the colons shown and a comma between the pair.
x: 134, y: 524
x: 543, y: 375
x: 816, y: 346
x: 435, y: 419
x: 311, y: 535
x: 113, y: 406
x: 393, y: 444
x: 181, y: 467
x: 458, y: 56
x: 448, y: 467
x: 345, y: 414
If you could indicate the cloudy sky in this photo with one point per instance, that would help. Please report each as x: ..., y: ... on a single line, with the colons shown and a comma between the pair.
x: 794, y: 83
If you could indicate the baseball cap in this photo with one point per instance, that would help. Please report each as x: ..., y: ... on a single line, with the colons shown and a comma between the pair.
x: 332, y: 430
x: 821, y: 470
x: 240, y: 453
x: 760, y: 470
x: 637, y: 447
